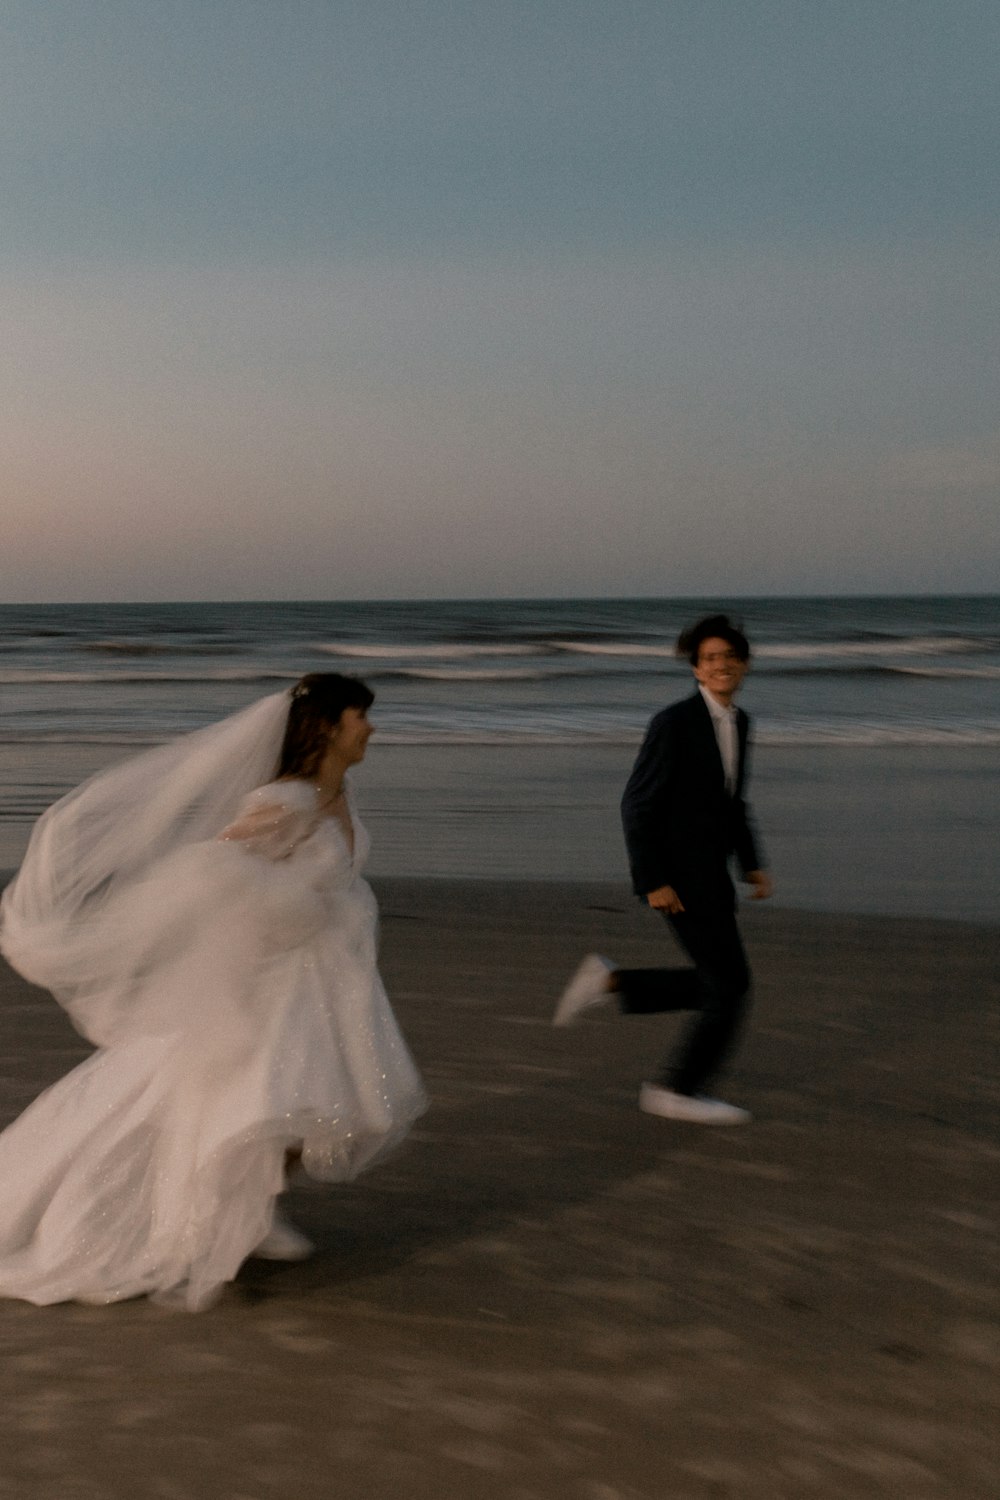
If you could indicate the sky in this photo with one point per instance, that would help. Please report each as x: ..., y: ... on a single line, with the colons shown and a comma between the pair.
x: 456, y: 298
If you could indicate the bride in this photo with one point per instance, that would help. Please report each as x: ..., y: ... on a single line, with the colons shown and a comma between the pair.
x: 200, y: 913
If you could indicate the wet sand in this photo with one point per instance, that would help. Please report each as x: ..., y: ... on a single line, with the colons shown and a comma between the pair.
x: 548, y: 1296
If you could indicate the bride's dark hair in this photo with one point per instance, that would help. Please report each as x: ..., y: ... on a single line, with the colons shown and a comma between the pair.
x: 318, y: 700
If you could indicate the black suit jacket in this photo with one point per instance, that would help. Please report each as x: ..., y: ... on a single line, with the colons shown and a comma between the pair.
x: 681, y: 825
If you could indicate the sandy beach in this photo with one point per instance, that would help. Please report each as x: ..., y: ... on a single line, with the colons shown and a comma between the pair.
x: 547, y: 1294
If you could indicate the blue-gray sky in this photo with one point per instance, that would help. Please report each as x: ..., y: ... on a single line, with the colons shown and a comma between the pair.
x: 369, y: 298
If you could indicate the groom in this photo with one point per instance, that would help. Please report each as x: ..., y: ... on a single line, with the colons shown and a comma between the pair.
x: 684, y: 818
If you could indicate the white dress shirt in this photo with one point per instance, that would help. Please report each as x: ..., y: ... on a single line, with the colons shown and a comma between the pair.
x: 727, y: 738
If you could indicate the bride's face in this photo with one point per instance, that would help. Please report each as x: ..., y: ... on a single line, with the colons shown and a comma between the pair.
x: 348, y: 739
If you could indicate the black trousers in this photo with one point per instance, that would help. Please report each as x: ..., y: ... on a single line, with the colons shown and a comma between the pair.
x: 717, y: 988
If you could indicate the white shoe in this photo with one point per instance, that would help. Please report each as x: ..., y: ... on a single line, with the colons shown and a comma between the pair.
x: 589, y: 986
x: 283, y: 1242
x: 694, y: 1108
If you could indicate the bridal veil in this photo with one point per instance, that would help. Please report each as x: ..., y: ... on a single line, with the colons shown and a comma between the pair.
x: 112, y: 889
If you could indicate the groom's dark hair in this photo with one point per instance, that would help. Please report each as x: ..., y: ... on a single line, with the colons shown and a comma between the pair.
x: 718, y: 627
x: 318, y: 700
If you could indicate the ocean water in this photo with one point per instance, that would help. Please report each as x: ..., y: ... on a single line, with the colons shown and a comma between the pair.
x: 506, y: 728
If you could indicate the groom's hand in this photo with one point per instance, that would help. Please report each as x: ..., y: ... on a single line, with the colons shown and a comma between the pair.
x: 763, y: 885
x: 665, y: 898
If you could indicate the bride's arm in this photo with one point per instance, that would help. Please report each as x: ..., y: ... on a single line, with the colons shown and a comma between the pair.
x: 275, y: 890
x: 267, y: 826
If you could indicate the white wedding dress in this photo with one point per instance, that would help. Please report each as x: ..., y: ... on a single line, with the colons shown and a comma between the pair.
x: 250, y: 1018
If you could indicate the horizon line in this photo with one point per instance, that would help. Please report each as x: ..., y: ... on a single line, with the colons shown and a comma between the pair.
x: 501, y: 599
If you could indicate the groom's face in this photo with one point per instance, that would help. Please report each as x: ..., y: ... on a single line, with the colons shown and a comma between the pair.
x: 719, y: 669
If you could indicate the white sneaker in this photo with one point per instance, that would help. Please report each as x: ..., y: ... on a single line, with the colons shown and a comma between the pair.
x: 589, y: 986
x: 283, y: 1242
x: 694, y: 1108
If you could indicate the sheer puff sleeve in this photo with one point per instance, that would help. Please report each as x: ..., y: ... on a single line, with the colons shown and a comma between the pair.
x: 273, y: 820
